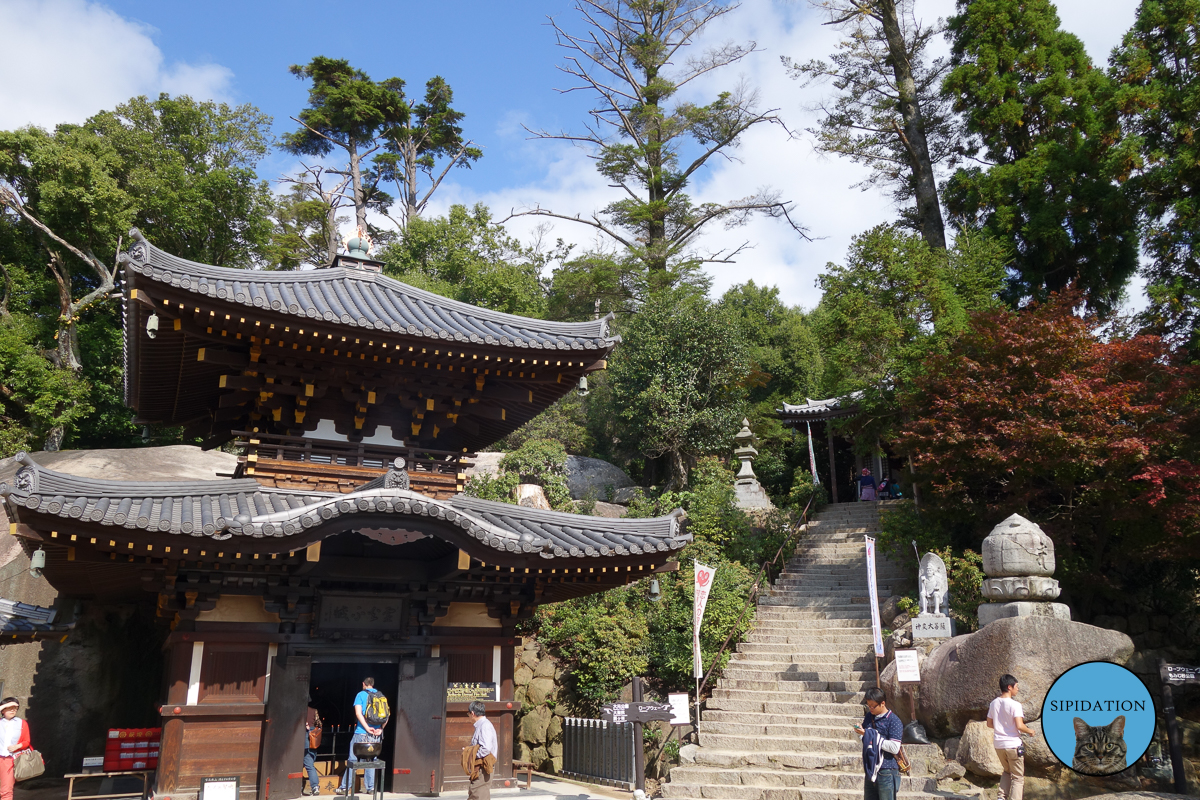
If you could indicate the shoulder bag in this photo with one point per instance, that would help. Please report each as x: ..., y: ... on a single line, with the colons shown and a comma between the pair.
x: 28, y: 764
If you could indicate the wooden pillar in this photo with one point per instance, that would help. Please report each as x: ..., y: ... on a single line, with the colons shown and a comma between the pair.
x: 833, y: 480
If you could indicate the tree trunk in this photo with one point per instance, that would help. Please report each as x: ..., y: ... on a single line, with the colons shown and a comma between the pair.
x: 929, y: 213
x: 656, y: 234
x: 410, y: 178
x: 331, y: 231
x: 360, y: 203
x: 67, y: 344
x: 679, y: 472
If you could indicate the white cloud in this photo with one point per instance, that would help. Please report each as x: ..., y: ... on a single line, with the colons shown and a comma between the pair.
x: 820, y: 187
x: 64, y: 60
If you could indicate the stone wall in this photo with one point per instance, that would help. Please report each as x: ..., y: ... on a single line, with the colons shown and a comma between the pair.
x: 537, y: 677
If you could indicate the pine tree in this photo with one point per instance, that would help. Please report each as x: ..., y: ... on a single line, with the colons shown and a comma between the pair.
x: 1157, y: 67
x: 1041, y: 120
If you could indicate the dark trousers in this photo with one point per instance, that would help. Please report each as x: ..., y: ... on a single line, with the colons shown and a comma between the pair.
x: 885, y: 787
x: 310, y: 766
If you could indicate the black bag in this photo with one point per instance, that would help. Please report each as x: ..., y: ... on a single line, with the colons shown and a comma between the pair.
x: 914, y: 733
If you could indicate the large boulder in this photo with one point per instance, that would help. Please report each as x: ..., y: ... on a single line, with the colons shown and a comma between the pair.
x: 959, y: 678
x: 595, y: 477
x: 530, y: 495
x: 485, y: 464
x: 977, y: 752
x: 533, y: 725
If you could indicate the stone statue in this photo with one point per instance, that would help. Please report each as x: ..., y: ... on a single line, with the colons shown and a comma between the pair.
x: 1018, y: 559
x: 935, y: 589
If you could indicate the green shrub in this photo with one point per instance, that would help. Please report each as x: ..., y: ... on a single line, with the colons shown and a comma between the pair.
x: 803, y: 490
x: 544, y: 462
x: 600, y: 639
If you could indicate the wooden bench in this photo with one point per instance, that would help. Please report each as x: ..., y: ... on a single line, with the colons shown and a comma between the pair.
x: 144, y: 773
x: 528, y: 767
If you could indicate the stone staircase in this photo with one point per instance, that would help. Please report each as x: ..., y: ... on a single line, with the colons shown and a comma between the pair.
x: 779, y: 724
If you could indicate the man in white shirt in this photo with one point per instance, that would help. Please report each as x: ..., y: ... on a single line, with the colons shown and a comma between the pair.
x: 485, y: 737
x: 1006, y: 718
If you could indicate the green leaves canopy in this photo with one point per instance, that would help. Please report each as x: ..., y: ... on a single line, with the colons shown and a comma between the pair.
x: 1040, y: 115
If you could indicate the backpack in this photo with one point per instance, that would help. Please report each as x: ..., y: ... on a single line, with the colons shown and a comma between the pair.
x: 377, y: 711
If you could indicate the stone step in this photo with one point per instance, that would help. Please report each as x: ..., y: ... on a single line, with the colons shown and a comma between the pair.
x: 792, y: 697
x: 792, y: 657
x: 740, y: 672
x: 807, y: 612
x: 705, y: 774
x: 779, y: 636
x: 786, y: 686
x: 782, y: 731
x: 763, y: 718
x: 852, y: 709
x: 673, y: 791
x: 790, y: 744
x: 814, y: 650
x: 765, y: 758
x: 814, y: 624
x: 824, y: 602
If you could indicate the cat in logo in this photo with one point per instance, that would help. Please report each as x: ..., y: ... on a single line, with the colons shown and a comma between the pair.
x: 1099, y: 749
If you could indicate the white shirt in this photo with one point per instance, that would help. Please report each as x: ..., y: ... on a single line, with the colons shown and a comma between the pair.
x: 10, y: 732
x: 485, y: 737
x: 1004, y: 712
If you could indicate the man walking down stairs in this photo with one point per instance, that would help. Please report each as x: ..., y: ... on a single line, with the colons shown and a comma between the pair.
x: 780, y: 722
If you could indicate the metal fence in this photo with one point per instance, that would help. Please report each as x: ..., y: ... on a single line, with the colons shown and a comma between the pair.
x: 600, y: 752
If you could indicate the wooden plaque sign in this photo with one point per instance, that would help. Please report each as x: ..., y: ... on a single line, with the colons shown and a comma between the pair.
x: 350, y: 613
x: 636, y: 712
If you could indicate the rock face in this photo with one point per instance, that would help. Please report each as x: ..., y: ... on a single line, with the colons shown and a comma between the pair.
x: 485, y: 464
x: 530, y: 495
x: 178, y: 462
x: 959, y: 678
x: 593, y: 475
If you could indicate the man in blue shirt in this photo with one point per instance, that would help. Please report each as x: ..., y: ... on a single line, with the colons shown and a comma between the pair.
x: 882, y: 781
x: 363, y: 733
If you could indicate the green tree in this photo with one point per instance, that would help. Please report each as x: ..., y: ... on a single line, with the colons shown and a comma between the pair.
x: 634, y: 58
x: 306, y: 218
x: 888, y: 113
x: 677, y: 382
x: 1040, y: 118
x: 1157, y: 68
x: 466, y: 256
x: 350, y: 112
x: 189, y: 168
x: 431, y: 135
x: 897, y: 300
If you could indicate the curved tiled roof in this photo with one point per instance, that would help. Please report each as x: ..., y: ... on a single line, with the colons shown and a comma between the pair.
x: 843, y: 406
x: 362, y: 299
x: 224, y: 509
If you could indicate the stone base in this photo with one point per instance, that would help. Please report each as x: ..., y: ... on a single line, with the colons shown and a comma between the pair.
x: 990, y: 612
x: 750, y: 496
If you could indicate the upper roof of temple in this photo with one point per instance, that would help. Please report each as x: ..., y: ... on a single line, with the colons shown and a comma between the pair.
x: 364, y: 300
x: 218, y: 349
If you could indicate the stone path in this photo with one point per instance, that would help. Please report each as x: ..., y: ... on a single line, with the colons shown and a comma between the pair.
x: 779, y: 725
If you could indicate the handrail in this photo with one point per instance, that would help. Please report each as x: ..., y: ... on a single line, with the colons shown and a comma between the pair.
x: 764, y: 570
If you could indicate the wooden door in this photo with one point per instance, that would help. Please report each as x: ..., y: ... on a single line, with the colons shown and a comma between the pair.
x: 283, y: 737
x: 420, y: 721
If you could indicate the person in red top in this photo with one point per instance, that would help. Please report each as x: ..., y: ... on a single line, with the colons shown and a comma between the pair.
x: 14, y: 737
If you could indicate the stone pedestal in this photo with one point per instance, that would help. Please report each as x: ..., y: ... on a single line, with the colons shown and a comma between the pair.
x: 990, y: 612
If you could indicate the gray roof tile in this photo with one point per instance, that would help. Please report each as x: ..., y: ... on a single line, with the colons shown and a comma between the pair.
x: 222, y: 509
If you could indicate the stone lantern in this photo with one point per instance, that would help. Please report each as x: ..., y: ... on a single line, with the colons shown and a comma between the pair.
x: 750, y: 496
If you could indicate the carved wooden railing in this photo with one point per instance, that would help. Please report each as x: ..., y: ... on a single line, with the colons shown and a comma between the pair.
x: 297, y: 462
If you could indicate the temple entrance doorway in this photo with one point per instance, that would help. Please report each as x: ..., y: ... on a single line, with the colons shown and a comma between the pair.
x: 335, y: 681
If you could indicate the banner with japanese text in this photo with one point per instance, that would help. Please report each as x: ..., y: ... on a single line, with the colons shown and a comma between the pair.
x: 701, y: 588
x: 873, y: 591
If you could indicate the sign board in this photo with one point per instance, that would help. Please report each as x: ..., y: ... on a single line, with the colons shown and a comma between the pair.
x: 618, y: 713
x: 356, y: 613
x: 466, y: 692
x: 701, y: 587
x: 873, y: 590
x: 907, y: 668
x: 682, y: 714
x: 931, y: 626
x: 1179, y: 674
x: 220, y: 788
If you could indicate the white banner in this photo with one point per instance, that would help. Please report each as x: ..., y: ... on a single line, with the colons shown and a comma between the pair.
x: 812, y: 457
x: 873, y: 591
x: 700, y: 588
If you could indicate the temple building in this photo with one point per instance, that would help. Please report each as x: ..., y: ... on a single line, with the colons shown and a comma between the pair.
x: 339, y: 544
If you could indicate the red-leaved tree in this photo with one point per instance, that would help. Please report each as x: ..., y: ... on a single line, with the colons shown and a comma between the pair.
x: 1097, y: 441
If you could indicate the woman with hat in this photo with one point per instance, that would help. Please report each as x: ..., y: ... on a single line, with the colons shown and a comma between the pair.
x: 14, y: 737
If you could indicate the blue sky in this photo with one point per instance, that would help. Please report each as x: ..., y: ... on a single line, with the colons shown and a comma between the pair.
x: 67, y: 59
